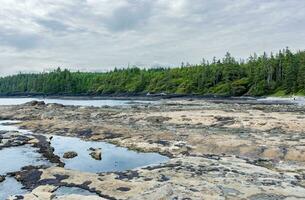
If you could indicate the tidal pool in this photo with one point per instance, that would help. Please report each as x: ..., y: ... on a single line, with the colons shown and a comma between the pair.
x: 63, y: 191
x: 14, y: 158
x: 113, y: 158
x: 10, y: 125
x: 10, y: 187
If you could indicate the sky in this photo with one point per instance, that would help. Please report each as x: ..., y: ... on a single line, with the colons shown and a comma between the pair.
x: 98, y: 35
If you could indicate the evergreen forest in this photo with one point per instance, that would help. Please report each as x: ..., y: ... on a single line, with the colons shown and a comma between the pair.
x: 281, y: 73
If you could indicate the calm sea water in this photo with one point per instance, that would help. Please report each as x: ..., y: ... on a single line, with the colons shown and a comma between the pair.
x: 75, y: 102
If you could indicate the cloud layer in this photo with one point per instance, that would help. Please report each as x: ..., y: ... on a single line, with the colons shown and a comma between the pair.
x: 98, y: 35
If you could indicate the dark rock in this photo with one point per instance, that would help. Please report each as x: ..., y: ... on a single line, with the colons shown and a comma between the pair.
x: 47, y: 151
x: 163, y: 142
x: 157, y: 119
x: 110, y: 135
x: 55, y: 105
x: 35, y: 103
x: 56, y: 181
x: 18, y: 197
x: 70, y: 154
x: 84, y: 133
x: 163, y: 178
x: 129, y: 175
x: 29, y: 176
x: 123, y: 189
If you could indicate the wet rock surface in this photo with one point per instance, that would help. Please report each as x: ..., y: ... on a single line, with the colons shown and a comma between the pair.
x: 70, y: 154
x: 96, y: 153
x: 218, y: 150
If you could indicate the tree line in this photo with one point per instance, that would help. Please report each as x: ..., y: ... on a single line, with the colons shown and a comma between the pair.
x: 282, y: 73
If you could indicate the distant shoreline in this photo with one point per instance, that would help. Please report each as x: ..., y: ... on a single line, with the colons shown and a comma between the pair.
x: 265, y: 100
x: 125, y: 96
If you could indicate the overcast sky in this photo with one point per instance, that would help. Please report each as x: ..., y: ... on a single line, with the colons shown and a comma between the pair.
x: 97, y: 35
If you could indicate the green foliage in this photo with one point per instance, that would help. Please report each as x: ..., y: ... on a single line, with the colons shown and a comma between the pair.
x: 279, y: 74
x: 279, y: 93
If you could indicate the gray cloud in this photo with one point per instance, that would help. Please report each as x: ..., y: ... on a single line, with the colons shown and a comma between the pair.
x: 18, y: 40
x: 130, y: 16
x: 99, y: 35
x: 52, y: 25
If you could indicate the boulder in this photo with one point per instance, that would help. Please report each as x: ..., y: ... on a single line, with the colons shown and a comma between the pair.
x: 70, y: 154
x: 96, y: 153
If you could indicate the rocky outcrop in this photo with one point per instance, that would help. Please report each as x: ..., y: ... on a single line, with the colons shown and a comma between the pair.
x: 70, y: 154
x: 46, y: 150
x: 217, y: 151
x: 35, y: 103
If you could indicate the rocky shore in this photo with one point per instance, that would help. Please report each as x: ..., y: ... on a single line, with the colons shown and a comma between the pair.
x: 218, y: 150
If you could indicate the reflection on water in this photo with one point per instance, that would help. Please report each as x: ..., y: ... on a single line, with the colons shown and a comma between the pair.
x: 113, y: 158
x: 14, y: 158
x: 10, y: 187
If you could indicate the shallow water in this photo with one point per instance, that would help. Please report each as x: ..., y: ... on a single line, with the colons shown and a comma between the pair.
x: 79, y: 102
x: 113, y: 158
x: 10, y: 187
x: 63, y: 191
x: 14, y: 158
x: 9, y: 125
x: 289, y: 100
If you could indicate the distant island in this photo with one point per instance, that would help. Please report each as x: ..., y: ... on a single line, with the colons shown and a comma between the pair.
x: 277, y: 74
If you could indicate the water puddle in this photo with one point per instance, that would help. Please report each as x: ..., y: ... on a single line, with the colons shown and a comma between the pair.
x: 10, y: 187
x: 63, y: 191
x: 113, y: 158
x: 14, y: 158
x: 9, y: 125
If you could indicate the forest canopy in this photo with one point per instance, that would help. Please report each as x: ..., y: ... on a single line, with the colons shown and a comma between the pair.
x: 281, y: 74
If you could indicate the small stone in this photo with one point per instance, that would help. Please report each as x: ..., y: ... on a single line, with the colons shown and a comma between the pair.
x: 70, y: 154
x: 123, y: 189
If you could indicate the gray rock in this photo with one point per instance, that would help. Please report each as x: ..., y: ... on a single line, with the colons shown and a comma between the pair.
x: 96, y: 153
x: 2, y: 178
x: 70, y: 154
